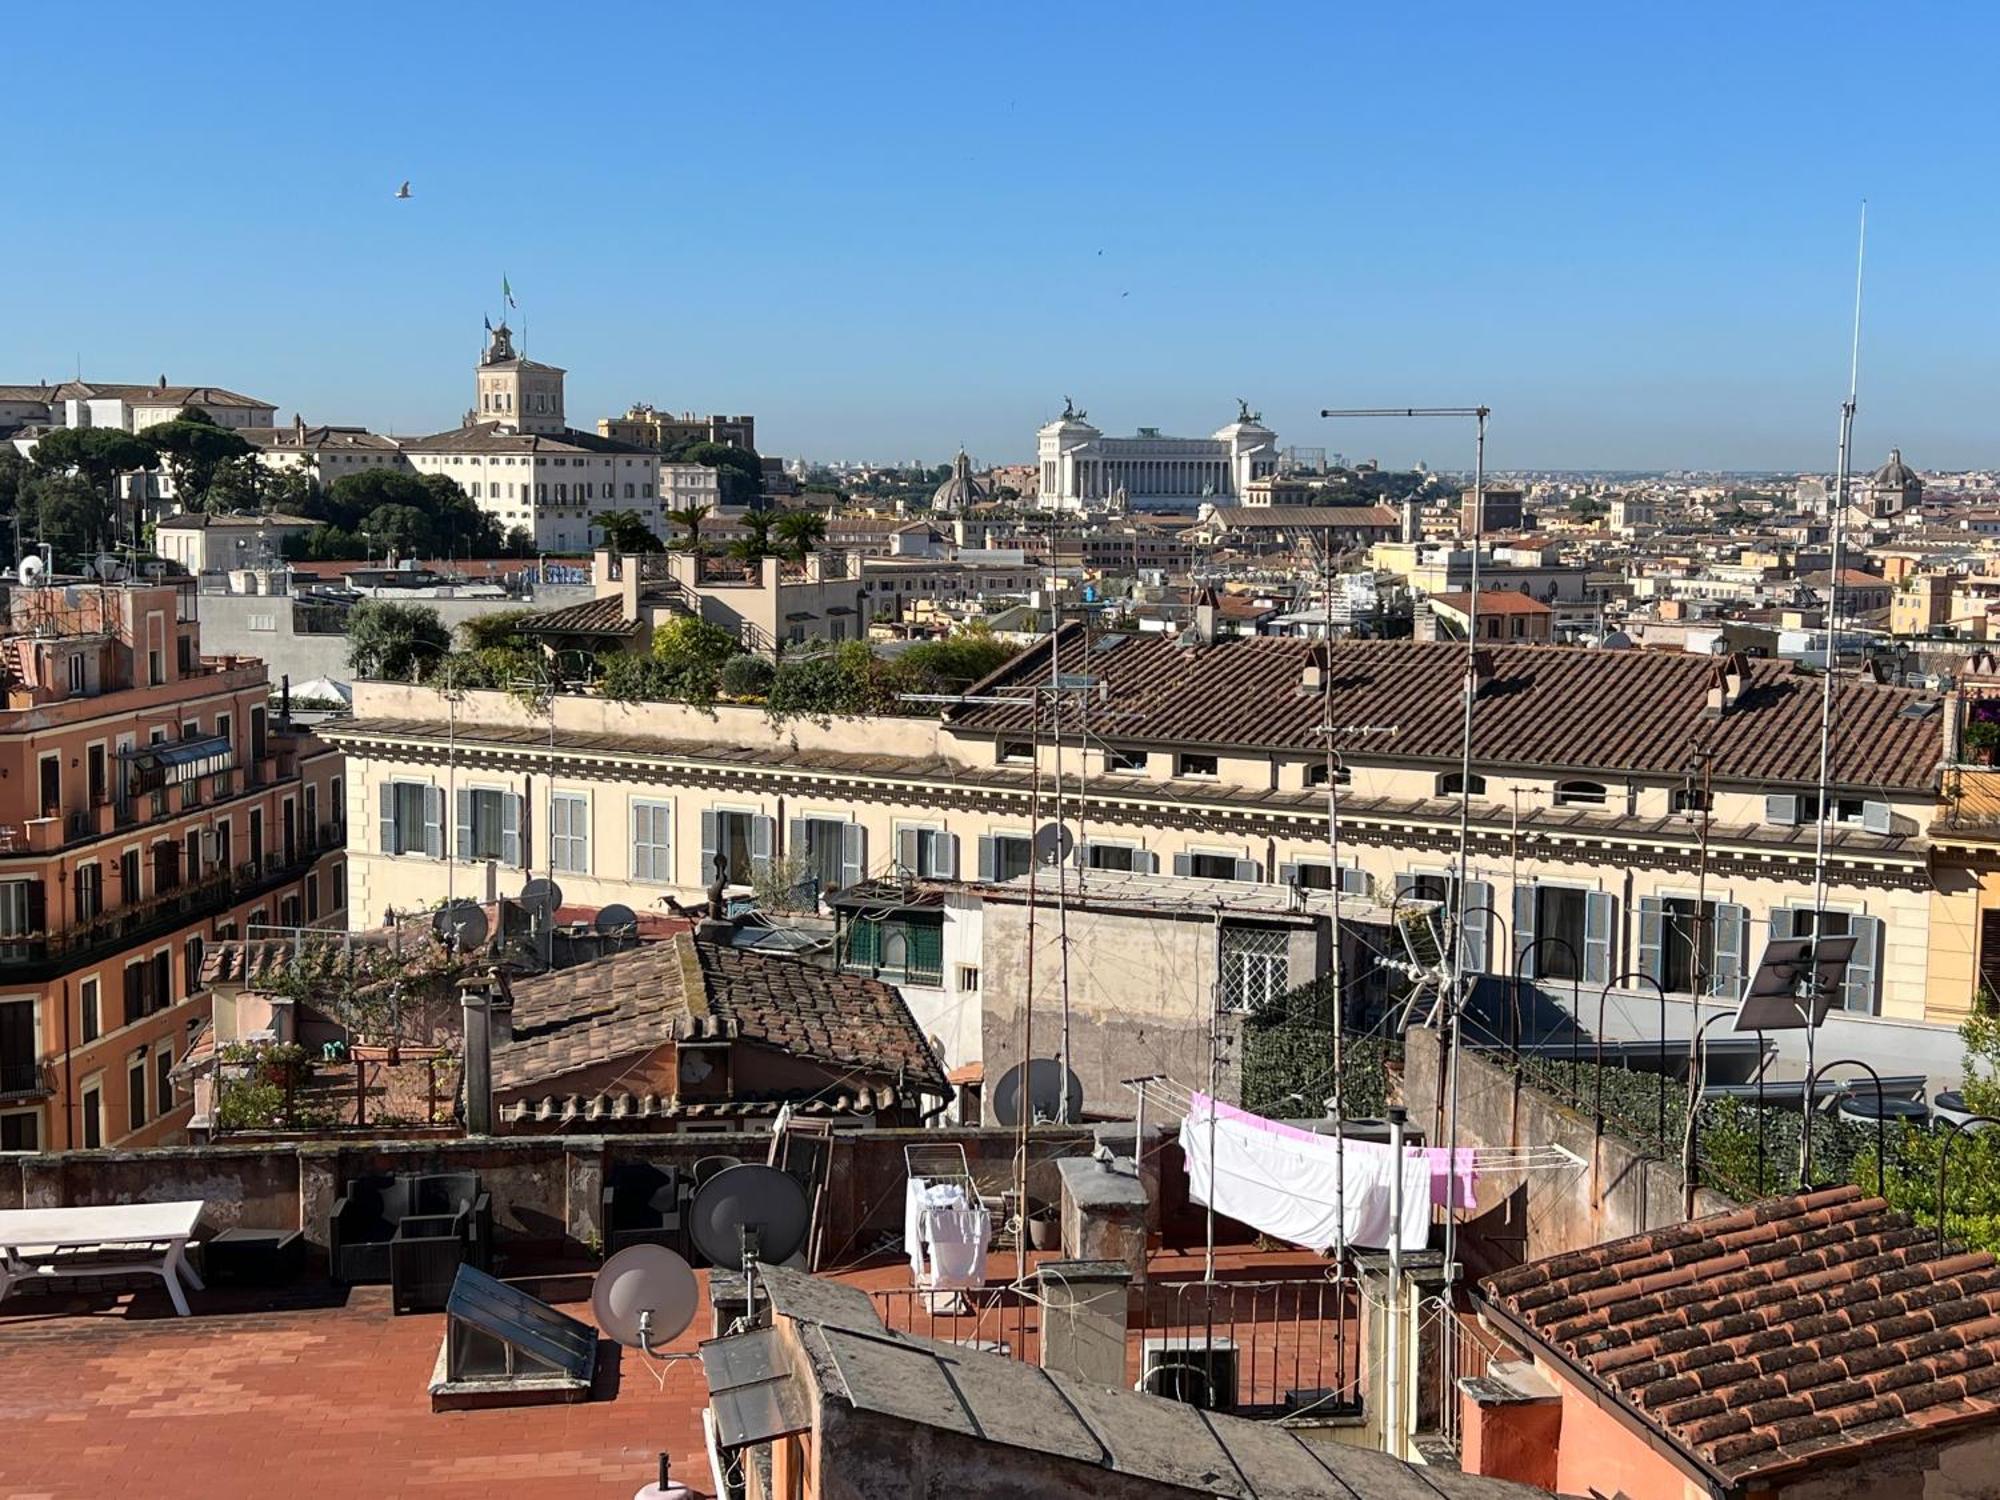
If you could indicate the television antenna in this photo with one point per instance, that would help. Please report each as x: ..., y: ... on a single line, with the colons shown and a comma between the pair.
x: 747, y: 1213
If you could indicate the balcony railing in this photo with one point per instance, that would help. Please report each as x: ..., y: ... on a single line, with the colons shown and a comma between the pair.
x: 17, y: 1078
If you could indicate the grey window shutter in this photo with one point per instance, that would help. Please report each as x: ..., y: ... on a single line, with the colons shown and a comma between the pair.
x: 388, y: 805
x: 1405, y: 884
x: 1353, y: 881
x: 798, y: 839
x: 1478, y: 925
x: 989, y: 859
x: 853, y: 854
x: 1782, y: 923
x: 1183, y: 863
x: 906, y: 850
x: 1651, y: 929
x: 1781, y: 810
x: 1145, y: 862
x: 1288, y: 874
x: 763, y: 832
x: 434, y: 821
x: 947, y: 857
x: 462, y: 811
x: 510, y: 830
x: 1864, y: 969
x: 1249, y: 870
x: 1600, y: 922
x: 707, y: 872
x: 1524, y: 929
x: 642, y: 858
x: 1876, y: 817
x: 1732, y: 938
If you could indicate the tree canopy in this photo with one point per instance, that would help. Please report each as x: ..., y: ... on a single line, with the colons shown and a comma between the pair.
x: 739, y: 472
x: 393, y: 641
x: 377, y: 509
x: 625, y: 530
x: 193, y: 446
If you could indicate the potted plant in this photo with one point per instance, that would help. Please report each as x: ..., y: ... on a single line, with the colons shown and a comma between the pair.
x: 1981, y: 739
x: 1044, y: 1227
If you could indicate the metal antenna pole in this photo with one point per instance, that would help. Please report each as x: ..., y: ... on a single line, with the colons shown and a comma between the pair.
x: 1842, y: 473
x: 1214, y: 1090
x: 1027, y: 1091
x: 1457, y: 996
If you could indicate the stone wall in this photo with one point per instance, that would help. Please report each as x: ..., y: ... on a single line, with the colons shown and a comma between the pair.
x: 545, y: 1189
x: 1618, y: 1189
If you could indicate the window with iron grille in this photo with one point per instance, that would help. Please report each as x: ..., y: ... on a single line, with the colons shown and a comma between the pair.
x: 1256, y: 966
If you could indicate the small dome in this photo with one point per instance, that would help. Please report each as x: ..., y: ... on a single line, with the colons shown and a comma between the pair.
x: 963, y: 489
x: 1895, y: 474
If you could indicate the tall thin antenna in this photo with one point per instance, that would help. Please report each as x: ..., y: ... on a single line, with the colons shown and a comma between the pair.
x: 1842, y: 476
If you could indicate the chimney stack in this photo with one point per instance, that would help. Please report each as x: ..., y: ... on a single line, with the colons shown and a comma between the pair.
x: 488, y: 1023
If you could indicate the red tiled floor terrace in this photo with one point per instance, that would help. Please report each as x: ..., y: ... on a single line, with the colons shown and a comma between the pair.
x: 316, y: 1391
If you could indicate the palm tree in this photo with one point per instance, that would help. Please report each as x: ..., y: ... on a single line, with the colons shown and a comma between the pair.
x: 800, y: 531
x: 756, y: 546
x: 690, y: 516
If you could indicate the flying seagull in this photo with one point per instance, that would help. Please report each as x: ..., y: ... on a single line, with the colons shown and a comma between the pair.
x: 404, y: 190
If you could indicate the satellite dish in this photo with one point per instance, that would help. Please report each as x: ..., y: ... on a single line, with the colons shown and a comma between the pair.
x: 1053, y: 843
x: 30, y: 570
x: 461, y: 923
x: 749, y: 1211
x: 644, y: 1296
x: 105, y: 566
x: 541, y: 897
x: 1048, y: 1081
x: 616, y: 918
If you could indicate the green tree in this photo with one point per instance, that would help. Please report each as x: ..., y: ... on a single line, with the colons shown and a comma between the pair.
x: 500, y: 628
x: 403, y: 529
x: 237, y: 485
x: 624, y: 530
x: 954, y: 664
x: 799, y: 531
x: 459, y: 527
x: 1972, y: 1182
x: 193, y: 446
x: 100, y: 456
x: 67, y: 512
x: 690, y: 517
x: 739, y: 472
x: 16, y: 474
x: 394, y: 641
x: 755, y: 547
x: 520, y: 542
x: 689, y: 654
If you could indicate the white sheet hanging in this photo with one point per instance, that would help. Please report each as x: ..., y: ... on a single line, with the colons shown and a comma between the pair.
x: 1290, y: 1188
x: 944, y: 1235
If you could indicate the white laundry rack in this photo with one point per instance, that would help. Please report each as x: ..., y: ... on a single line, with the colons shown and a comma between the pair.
x: 955, y: 1260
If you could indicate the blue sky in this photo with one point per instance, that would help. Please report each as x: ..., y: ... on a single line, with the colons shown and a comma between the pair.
x: 887, y: 230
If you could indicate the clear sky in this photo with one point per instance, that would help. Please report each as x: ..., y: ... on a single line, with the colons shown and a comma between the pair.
x: 889, y: 230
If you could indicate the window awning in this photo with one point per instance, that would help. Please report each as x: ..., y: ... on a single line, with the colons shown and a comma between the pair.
x: 170, y: 764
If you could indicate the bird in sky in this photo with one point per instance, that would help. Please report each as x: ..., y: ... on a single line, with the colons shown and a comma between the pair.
x: 404, y: 190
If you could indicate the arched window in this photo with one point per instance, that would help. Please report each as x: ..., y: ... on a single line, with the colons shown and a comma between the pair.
x: 1452, y: 783
x: 1580, y: 794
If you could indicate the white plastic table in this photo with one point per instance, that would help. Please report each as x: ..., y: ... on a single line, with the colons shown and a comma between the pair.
x: 110, y: 1240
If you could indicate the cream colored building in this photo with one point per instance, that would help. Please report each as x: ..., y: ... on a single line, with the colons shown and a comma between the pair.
x: 516, y: 391
x: 1586, y: 852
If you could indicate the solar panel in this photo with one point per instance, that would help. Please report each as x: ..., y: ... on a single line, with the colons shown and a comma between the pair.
x: 496, y: 1332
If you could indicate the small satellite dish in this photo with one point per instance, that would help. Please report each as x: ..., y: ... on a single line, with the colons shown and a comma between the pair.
x: 616, y: 918
x: 1048, y: 1081
x: 541, y: 897
x: 749, y: 1211
x: 1053, y: 843
x: 461, y: 923
x: 30, y: 570
x: 106, y: 566
x: 644, y: 1296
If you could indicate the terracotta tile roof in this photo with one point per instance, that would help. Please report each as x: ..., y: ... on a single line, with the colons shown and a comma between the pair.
x: 1566, y: 707
x: 683, y: 989
x: 604, y: 616
x: 1771, y: 1337
x: 1494, y: 602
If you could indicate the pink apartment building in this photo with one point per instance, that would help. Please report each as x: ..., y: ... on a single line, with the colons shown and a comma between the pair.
x: 149, y: 804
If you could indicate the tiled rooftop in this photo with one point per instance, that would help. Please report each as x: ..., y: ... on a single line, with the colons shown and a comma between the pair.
x: 1766, y: 1338
x: 1568, y: 706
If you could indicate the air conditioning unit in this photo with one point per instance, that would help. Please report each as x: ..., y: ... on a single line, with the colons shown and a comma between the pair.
x: 1200, y: 1373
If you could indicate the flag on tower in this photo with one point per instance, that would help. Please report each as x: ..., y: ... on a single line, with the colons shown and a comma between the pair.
x: 507, y: 292
x: 488, y: 322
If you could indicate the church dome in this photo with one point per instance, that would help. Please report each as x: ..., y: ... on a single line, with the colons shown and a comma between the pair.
x: 1895, y: 474
x: 963, y: 489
